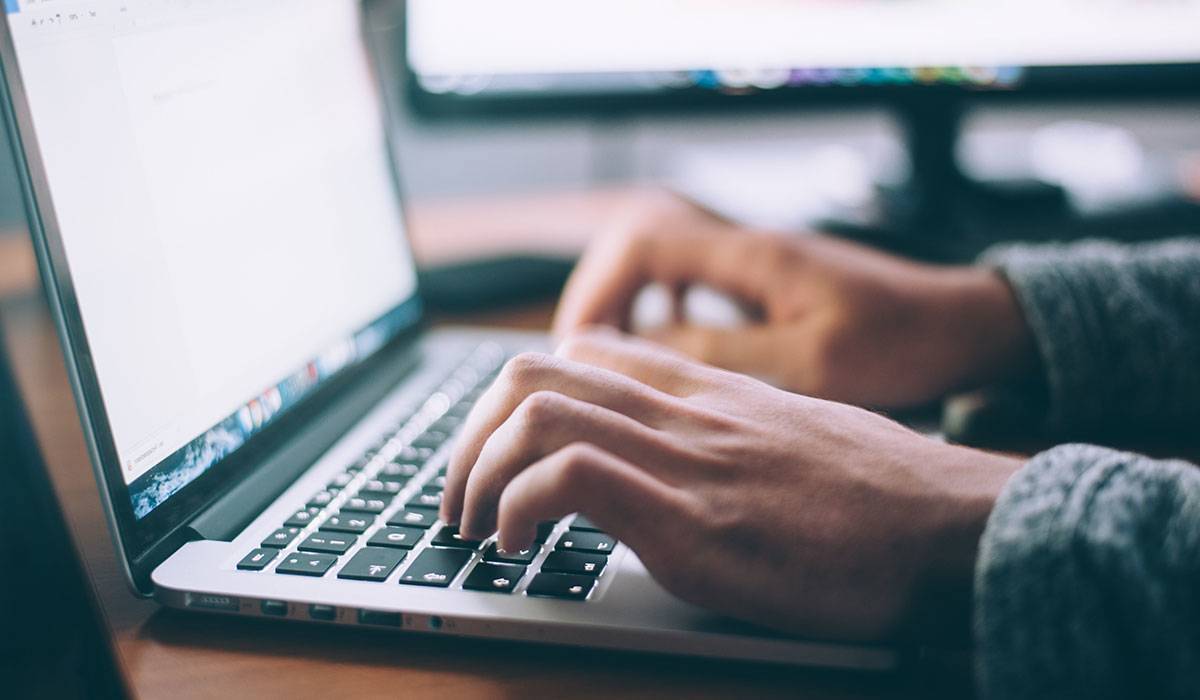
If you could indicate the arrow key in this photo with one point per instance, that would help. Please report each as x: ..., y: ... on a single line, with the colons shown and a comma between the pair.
x: 567, y: 586
x: 497, y: 578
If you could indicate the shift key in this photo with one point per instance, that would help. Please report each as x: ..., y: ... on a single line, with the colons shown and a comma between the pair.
x: 436, y: 567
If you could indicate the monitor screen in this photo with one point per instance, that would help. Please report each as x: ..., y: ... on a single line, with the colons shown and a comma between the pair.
x: 465, y: 48
x: 224, y: 198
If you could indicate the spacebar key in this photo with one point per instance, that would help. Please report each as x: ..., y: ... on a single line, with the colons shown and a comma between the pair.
x: 436, y: 567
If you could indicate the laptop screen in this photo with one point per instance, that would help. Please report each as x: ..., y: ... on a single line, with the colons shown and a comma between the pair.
x: 220, y: 177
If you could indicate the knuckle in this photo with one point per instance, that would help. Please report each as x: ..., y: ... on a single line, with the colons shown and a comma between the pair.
x: 523, y: 369
x: 573, y: 464
x: 540, y: 409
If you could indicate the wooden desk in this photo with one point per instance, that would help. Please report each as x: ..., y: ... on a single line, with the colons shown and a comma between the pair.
x: 166, y: 653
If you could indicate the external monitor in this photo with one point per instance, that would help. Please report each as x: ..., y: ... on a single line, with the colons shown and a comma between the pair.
x: 926, y: 59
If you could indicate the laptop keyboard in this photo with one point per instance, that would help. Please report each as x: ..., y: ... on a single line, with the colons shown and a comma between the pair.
x: 377, y: 520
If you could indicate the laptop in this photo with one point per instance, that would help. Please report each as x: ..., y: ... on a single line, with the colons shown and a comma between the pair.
x: 213, y: 199
x: 61, y: 650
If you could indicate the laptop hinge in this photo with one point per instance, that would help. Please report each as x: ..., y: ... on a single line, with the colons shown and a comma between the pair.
x: 231, y: 513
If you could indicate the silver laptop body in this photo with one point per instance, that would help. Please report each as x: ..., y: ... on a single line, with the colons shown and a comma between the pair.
x: 210, y: 190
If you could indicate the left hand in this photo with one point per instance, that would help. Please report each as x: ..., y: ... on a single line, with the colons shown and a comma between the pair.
x: 800, y: 514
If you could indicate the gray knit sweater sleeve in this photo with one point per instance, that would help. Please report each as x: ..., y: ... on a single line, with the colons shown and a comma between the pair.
x: 1088, y: 579
x: 1117, y: 328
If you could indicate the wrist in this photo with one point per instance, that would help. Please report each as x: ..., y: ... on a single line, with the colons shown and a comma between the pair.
x: 967, y: 484
x: 982, y: 322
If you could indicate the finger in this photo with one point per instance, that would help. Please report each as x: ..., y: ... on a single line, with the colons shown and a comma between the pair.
x: 610, y: 274
x: 623, y: 500
x: 754, y: 350
x: 532, y: 372
x: 546, y: 422
x: 660, y: 367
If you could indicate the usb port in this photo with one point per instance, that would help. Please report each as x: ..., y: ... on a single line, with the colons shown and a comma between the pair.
x: 322, y: 612
x: 375, y: 617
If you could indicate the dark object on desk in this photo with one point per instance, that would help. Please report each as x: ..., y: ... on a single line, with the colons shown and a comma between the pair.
x: 54, y: 643
x: 494, y: 282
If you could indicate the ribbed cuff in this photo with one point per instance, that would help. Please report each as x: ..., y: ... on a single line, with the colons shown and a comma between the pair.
x: 1058, y: 297
x: 1086, y: 580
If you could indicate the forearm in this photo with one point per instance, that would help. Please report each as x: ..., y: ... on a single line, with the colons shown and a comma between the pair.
x: 1117, y: 329
x: 1088, y: 577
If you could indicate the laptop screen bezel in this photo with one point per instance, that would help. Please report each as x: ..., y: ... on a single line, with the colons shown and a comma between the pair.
x: 143, y: 543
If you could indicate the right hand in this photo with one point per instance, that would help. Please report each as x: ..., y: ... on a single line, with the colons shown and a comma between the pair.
x: 808, y: 516
x: 832, y: 319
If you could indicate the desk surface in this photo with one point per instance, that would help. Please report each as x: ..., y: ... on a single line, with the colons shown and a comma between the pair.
x: 185, y: 655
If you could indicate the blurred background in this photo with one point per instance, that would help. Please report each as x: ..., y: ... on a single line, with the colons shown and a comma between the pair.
x: 787, y: 164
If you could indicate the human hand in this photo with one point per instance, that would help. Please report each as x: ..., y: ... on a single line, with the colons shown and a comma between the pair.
x: 797, y: 513
x: 832, y: 319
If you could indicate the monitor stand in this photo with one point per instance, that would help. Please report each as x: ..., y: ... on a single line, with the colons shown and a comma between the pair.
x: 942, y: 214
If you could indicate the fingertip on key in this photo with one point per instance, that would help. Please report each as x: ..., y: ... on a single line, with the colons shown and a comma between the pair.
x: 510, y: 541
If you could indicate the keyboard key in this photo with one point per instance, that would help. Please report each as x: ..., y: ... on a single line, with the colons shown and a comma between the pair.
x: 497, y: 578
x: 574, y: 563
x: 431, y: 439
x: 281, y: 537
x: 350, y: 522
x: 372, y: 564
x: 427, y: 500
x: 544, y: 530
x: 301, y: 564
x: 414, y: 518
x: 257, y: 559
x: 436, y: 567
x: 448, y: 537
x: 396, y: 537
x: 438, y: 481
x: 447, y: 424
x: 382, y: 496
x: 357, y: 504
x: 384, y: 488
x: 417, y: 455
x: 339, y: 482
x: 582, y: 523
x: 362, y: 462
x: 398, y: 471
x: 594, y: 542
x: 561, y: 586
x: 330, y: 543
x: 460, y: 410
x: 301, y: 518
x: 320, y: 499
x: 496, y: 555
